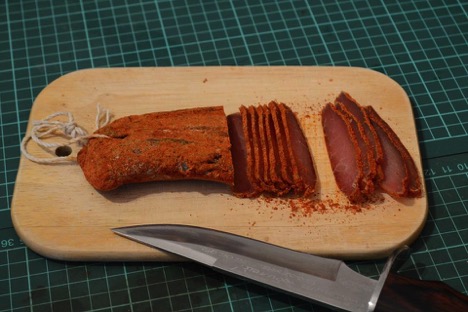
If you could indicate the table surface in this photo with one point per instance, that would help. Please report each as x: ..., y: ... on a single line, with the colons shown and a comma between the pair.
x: 420, y: 44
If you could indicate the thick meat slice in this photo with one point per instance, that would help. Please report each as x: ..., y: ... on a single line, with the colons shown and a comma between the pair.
x: 401, y: 177
x: 283, y: 153
x: 376, y: 155
x: 280, y: 111
x: 282, y: 186
x: 395, y: 174
x: 268, y: 180
x: 183, y: 144
x: 250, y: 147
x: 366, y: 184
x: 343, y: 151
x: 242, y: 186
x: 300, y: 151
x: 258, y: 165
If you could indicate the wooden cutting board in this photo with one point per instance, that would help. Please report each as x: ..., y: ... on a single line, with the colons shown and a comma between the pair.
x: 59, y: 215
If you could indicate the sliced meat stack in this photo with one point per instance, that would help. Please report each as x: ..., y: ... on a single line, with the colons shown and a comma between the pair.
x: 365, y: 153
x: 270, y: 152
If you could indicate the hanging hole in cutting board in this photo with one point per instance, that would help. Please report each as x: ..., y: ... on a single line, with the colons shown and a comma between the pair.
x: 63, y: 151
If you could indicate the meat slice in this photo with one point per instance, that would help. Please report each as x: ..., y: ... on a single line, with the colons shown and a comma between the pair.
x: 242, y: 186
x: 300, y: 151
x: 282, y: 186
x: 269, y: 178
x: 262, y: 142
x: 366, y: 184
x: 401, y: 177
x: 283, y: 153
x: 280, y: 110
x: 395, y: 173
x: 258, y: 164
x: 343, y: 151
x: 358, y: 111
x: 189, y: 144
x: 250, y: 148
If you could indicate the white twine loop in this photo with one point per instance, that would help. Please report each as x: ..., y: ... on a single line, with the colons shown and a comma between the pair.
x: 69, y: 129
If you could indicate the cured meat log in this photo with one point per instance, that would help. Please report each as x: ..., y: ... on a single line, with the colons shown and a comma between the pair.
x: 365, y: 153
x: 176, y: 145
x: 258, y: 150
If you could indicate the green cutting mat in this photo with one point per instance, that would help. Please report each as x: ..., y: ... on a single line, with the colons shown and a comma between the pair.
x: 421, y: 44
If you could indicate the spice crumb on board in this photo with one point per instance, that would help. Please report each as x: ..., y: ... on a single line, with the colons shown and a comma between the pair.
x: 306, y: 207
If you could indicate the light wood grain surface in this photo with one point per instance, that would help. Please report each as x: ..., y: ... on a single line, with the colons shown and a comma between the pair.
x: 59, y: 215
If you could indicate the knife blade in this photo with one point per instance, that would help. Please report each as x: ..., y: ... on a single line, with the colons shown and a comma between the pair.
x: 328, y: 282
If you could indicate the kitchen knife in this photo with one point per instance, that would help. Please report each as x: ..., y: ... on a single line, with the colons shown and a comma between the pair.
x: 325, y: 281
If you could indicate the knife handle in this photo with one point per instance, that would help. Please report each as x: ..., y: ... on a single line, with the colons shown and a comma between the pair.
x: 401, y: 293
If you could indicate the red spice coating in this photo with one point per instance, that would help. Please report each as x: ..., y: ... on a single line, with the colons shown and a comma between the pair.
x: 183, y: 144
